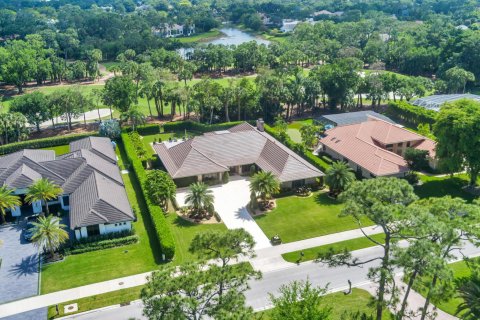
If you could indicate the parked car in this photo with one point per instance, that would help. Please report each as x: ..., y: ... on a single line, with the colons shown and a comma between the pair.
x: 28, y: 230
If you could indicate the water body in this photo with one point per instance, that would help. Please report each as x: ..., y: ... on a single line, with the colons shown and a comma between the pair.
x: 231, y: 36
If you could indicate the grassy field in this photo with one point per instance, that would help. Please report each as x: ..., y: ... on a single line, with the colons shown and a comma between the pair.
x: 442, y: 186
x: 297, y: 218
x: 59, y: 150
x: 294, y: 129
x: 356, y: 301
x: 98, y: 301
x: 201, y: 37
x: 350, y: 245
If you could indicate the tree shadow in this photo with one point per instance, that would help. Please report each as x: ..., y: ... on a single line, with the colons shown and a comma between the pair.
x: 28, y: 266
x: 439, y: 188
x: 323, y: 199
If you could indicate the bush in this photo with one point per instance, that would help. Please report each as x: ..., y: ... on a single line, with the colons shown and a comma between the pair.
x: 110, y: 128
x: 42, y: 143
x: 196, y: 126
x: 100, y: 245
x: 101, y: 237
x: 157, y: 216
x: 410, y: 114
x: 225, y: 177
x: 145, y: 130
x: 412, y: 178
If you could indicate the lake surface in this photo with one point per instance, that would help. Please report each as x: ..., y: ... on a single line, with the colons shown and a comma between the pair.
x: 231, y: 36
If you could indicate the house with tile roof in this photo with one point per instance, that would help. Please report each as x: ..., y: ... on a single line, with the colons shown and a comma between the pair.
x: 93, y: 189
x: 375, y: 147
x: 235, y: 150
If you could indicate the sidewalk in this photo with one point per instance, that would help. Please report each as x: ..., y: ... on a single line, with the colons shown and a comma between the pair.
x: 269, y: 259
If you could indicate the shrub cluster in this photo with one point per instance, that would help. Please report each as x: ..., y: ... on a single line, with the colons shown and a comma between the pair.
x: 42, y: 143
x: 410, y: 114
x: 79, y: 247
x: 196, y: 126
x: 145, y: 130
x: 106, y: 236
x: 156, y: 214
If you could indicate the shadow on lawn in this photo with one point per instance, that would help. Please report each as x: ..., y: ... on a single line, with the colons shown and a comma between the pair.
x: 323, y: 199
x: 442, y: 187
x: 142, y: 206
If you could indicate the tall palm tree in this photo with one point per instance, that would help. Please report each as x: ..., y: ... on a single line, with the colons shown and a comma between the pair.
x: 338, y: 177
x: 7, y: 201
x: 43, y: 190
x: 49, y: 233
x: 469, y: 291
x: 199, y: 197
x: 134, y: 115
x: 265, y: 184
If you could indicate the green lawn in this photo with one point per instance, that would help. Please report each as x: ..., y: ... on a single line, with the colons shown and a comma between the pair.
x: 358, y: 300
x: 147, y: 140
x: 442, y: 186
x: 110, y: 64
x: 59, y: 150
x: 350, y: 245
x: 297, y: 218
x: 201, y: 37
x: 98, y: 301
x: 294, y: 129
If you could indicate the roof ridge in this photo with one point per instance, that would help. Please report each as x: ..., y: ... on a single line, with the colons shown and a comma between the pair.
x: 38, y: 163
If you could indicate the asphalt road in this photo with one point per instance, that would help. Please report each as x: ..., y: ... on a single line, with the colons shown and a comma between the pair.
x: 257, y: 296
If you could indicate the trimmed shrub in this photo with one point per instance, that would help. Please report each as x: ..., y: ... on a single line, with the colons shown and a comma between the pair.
x: 196, y: 126
x: 157, y: 216
x: 43, y: 143
x: 101, y: 237
x: 145, y: 130
x: 100, y: 245
x: 410, y: 114
x: 225, y: 177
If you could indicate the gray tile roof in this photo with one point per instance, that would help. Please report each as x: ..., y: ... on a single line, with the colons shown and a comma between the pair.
x: 348, y: 118
x: 240, y: 145
x: 99, y: 200
x: 101, y: 146
x: 74, y: 173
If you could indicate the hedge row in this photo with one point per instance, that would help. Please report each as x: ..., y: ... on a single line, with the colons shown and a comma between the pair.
x: 410, y: 114
x: 100, y: 245
x: 196, y: 126
x: 157, y: 216
x: 145, y: 130
x: 298, y: 148
x: 43, y: 143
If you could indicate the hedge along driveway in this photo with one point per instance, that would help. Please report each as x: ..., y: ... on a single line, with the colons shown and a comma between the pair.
x: 82, y: 269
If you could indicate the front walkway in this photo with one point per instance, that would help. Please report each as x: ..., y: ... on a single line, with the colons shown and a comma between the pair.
x: 231, y: 200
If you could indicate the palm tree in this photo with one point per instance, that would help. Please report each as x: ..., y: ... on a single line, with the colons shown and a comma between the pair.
x: 7, y: 201
x: 49, y: 233
x: 470, y: 294
x: 199, y: 197
x: 338, y: 177
x: 265, y: 184
x: 43, y: 190
x: 134, y: 115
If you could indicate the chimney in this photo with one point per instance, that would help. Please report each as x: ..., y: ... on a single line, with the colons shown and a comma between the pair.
x: 260, y: 125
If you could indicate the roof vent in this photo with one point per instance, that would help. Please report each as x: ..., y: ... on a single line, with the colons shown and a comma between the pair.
x: 260, y: 125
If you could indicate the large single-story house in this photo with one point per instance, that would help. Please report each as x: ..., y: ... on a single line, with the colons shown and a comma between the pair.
x: 234, y: 150
x: 347, y: 118
x: 93, y: 189
x: 375, y: 147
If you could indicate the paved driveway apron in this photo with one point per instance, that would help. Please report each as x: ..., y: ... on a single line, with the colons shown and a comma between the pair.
x: 231, y: 200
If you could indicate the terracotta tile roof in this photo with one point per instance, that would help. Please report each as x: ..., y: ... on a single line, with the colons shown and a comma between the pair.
x: 240, y: 145
x: 359, y: 143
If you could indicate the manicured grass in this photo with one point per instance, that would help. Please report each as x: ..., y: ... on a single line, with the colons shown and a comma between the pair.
x: 295, y: 135
x: 59, y: 150
x: 294, y: 129
x: 102, y: 265
x: 350, y: 245
x: 201, y: 37
x: 297, y: 218
x: 183, y: 233
x: 442, y: 186
x: 98, y: 301
x: 340, y: 303
x: 147, y: 140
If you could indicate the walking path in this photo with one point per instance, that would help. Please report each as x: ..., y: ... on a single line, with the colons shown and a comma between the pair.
x: 231, y: 200
x: 89, y: 116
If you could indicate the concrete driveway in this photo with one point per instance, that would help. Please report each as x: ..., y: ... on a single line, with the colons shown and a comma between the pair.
x: 231, y: 200
x: 19, y: 271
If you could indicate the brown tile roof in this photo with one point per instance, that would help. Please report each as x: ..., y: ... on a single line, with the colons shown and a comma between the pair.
x: 240, y: 145
x: 360, y: 143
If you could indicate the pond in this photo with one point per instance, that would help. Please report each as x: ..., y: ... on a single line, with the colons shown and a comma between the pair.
x: 231, y: 36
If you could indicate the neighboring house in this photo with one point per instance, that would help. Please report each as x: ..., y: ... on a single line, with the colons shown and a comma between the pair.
x: 327, y: 13
x: 288, y: 25
x: 375, y: 147
x: 93, y: 188
x: 236, y: 150
x: 347, y: 118
x: 173, y: 30
x: 434, y: 102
